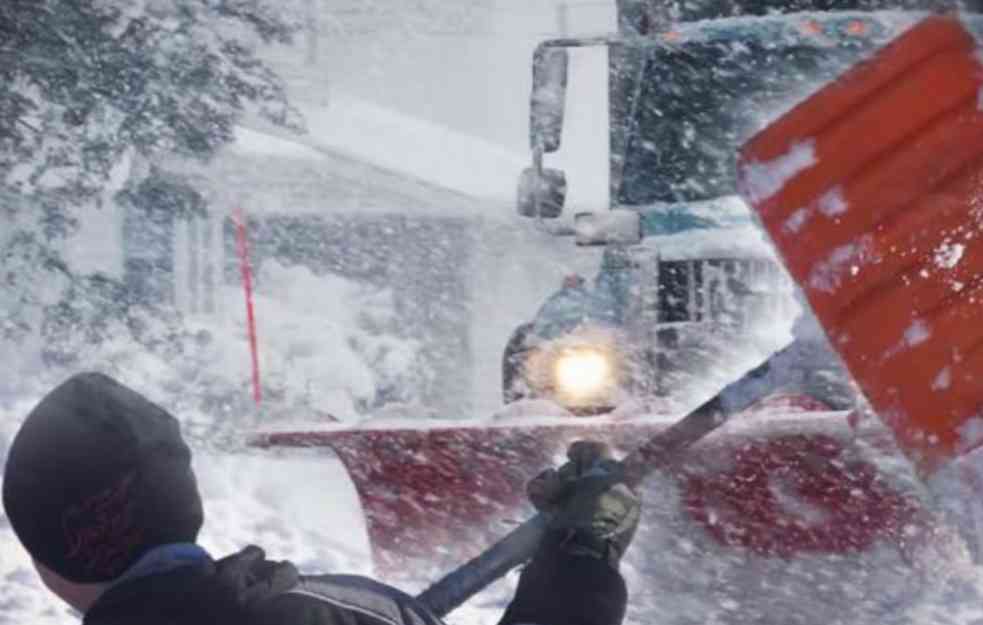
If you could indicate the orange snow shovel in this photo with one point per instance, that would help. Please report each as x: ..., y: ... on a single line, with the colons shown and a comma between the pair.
x: 872, y: 191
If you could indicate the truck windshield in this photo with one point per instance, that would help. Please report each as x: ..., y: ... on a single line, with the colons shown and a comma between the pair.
x: 695, y: 102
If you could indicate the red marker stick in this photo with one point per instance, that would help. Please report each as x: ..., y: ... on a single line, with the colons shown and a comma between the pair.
x: 242, y: 245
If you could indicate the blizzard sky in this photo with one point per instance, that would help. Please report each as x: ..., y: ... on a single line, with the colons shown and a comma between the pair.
x: 471, y: 75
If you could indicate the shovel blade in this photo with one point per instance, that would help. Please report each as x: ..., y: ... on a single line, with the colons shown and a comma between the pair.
x: 871, y: 191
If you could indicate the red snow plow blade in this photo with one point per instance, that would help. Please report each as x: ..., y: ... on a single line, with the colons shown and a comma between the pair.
x: 871, y: 191
x: 788, y: 478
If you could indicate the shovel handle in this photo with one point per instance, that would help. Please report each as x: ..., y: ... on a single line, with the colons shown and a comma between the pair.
x: 469, y: 579
x: 519, y: 546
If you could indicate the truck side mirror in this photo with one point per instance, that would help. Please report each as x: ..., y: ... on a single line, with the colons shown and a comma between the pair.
x: 614, y: 226
x: 541, y: 193
x: 548, y: 98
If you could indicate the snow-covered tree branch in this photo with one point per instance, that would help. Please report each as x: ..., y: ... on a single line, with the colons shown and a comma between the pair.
x: 88, y: 81
x: 92, y: 87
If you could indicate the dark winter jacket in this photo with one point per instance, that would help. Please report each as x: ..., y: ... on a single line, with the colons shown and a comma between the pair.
x: 247, y: 589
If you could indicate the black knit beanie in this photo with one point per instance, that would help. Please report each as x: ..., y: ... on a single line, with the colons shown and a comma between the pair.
x: 96, y: 476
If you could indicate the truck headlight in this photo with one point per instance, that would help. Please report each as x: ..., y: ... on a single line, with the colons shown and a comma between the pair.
x: 583, y: 372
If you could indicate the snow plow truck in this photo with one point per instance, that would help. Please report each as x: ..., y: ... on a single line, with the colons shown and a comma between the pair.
x: 791, y: 511
x: 687, y: 279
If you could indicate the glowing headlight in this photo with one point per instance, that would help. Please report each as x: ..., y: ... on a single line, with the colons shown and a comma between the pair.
x: 583, y: 372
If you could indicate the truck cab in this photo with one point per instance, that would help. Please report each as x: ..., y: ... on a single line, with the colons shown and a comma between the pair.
x: 686, y: 271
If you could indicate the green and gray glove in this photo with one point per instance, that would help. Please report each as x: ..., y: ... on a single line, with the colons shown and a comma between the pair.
x: 592, y: 509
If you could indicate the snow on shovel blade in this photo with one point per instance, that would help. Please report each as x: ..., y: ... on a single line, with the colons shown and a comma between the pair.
x: 786, y: 484
x: 871, y: 191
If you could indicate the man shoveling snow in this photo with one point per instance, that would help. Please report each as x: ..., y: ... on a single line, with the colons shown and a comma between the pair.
x: 99, y: 489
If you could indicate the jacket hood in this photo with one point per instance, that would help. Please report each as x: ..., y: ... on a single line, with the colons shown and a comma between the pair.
x: 207, y: 593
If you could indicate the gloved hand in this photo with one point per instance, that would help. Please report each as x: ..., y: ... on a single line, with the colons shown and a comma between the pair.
x: 592, y: 509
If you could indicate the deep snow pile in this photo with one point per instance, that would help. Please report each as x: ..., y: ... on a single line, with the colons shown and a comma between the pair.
x: 327, y: 342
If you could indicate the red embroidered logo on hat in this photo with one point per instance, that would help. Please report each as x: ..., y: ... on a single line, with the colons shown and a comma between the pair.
x: 100, y: 532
